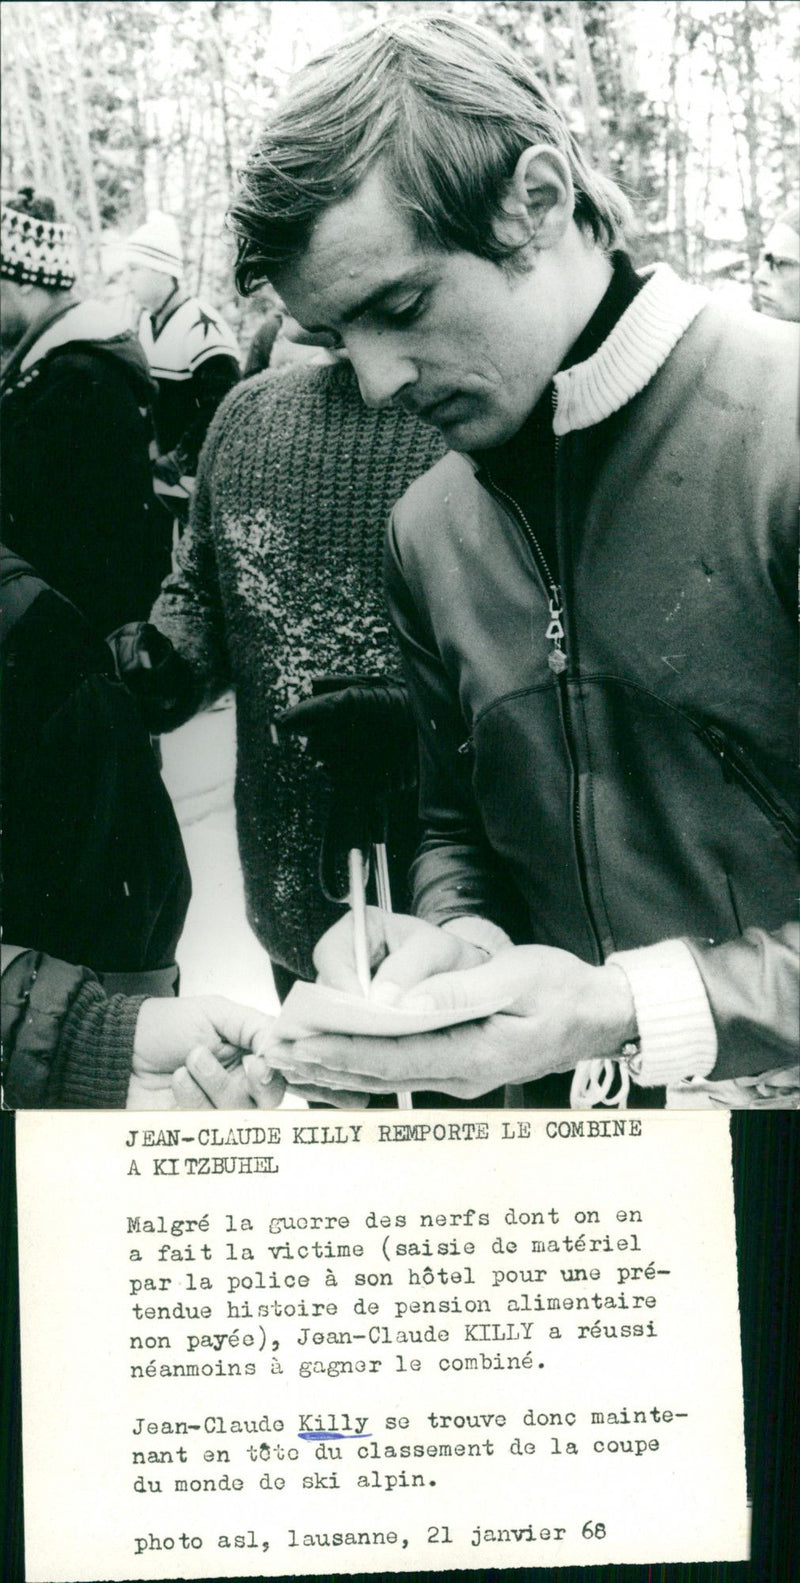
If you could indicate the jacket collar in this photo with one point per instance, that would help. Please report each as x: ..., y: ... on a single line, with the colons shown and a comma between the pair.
x: 82, y: 321
x: 631, y: 355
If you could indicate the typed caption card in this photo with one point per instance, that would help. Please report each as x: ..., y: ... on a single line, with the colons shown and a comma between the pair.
x: 259, y: 1348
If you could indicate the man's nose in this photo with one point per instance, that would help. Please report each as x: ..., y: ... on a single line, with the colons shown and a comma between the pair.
x: 381, y: 368
x: 763, y: 274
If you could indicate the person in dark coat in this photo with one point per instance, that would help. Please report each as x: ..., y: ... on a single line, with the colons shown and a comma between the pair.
x: 94, y: 870
x: 76, y: 426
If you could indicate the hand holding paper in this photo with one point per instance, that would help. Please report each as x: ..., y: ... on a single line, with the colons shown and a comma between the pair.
x: 169, y: 1032
x: 402, y: 952
x: 526, y: 1012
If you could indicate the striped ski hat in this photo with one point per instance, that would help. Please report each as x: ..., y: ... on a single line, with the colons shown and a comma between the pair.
x: 157, y: 244
x: 36, y: 248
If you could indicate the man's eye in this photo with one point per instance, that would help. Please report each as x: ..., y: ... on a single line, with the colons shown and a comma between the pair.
x: 408, y: 312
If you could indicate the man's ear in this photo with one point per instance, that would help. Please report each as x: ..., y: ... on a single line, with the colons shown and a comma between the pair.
x: 539, y: 200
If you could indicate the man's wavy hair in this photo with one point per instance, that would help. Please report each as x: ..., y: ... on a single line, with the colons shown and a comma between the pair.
x: 445, y: 106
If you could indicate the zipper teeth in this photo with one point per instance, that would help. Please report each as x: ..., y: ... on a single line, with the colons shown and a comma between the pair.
x: 518, y: 511
x: 577, y: 822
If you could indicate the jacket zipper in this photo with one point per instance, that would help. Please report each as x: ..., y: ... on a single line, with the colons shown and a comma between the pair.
x: 737, y: 767
x: 557, y: 661
x: 554, y: 632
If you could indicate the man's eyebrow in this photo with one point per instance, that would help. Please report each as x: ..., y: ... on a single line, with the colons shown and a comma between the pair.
x: 375, y: 299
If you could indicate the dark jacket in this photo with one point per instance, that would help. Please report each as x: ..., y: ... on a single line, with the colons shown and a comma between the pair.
x: 93, y: 864
x: 77, y: 491
x: 647, y: 791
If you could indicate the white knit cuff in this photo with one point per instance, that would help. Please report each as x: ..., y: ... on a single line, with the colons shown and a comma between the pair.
x: 488, y: 936
x: 677, y: 1035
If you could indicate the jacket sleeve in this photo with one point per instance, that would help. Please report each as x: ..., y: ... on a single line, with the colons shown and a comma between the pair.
x: 752, y: 986
x: 66, y: 1044
x: 714, y: 1015
x: 188, y: 609
x: 210, y: 383
x: 455, y: 873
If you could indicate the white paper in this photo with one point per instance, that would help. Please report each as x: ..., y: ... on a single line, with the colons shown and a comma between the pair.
x: 527, y: 1237
x: 316, y: 1008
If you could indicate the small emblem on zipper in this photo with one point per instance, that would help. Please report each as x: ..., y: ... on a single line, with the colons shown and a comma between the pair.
x: 556, y: 659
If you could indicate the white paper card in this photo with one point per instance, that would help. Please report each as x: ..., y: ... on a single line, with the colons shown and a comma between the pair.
x: 316, y: 1008
x: 259, y: 1344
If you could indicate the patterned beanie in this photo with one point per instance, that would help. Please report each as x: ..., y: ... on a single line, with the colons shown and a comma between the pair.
x: 157, y: 244
x: 35, y: 248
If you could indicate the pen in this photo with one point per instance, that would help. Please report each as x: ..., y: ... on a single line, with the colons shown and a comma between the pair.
x: 358, y: 907
x: 384, y: 895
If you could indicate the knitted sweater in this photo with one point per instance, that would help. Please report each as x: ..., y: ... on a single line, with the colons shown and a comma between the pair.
x: 278, y: 582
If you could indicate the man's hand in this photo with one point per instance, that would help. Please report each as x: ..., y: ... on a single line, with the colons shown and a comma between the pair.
x: 560, y: 1011
x: 166, y: 1031
x: 404, y: 951
x: 169, y: 1031
x: 205, y: 1084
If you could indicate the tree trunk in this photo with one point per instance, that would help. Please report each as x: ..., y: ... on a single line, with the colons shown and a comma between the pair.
x: 677, y: 152
x: 548, y: 53
x: 746, y: 70
x: 84, y: 148
x: 219, y: 49
x: 55, y: 133
x: 32, y: 138
x: 587, y: 84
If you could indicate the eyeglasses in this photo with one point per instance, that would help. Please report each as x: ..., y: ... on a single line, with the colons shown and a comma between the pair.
x: 779, y: 266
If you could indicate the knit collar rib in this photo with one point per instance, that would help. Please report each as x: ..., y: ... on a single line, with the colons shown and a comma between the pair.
x: 631, y: 355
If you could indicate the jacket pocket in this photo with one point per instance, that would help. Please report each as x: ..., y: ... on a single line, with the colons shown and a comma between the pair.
x: 738, y: 766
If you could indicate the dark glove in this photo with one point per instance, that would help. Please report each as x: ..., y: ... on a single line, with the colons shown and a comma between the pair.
x: 159, y: 680
x: 362, y: 729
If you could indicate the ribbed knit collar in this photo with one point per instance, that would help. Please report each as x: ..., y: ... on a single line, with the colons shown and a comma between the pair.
x: 631, y: 355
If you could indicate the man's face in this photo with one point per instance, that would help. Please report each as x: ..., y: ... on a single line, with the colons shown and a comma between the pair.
x: 778, y: 274
x: 451, y: 337
x: 149, y: 286
x: 15, y: 313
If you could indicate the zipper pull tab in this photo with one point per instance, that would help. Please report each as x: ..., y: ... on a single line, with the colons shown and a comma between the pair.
x: 556, y: 659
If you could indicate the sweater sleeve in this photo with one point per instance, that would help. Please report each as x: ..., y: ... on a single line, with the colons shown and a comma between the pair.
x: 66, y: 1044
x: 716, y: 1012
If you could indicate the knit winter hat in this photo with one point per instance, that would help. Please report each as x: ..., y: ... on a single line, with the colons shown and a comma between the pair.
x: 157, y: 244
x: 36, y: 248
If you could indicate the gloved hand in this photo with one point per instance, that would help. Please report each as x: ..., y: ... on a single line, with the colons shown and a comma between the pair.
x: 159, y: 680
x: 359, y: 726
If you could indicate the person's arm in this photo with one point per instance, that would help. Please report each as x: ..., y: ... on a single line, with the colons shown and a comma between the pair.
x: 716, y: 1011
x: 455, y: 874
x: 68, y: 1045
x: 669, y: 1012
x: 177, y: 663
x: 210, y: 383
x: 65, y: 1043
